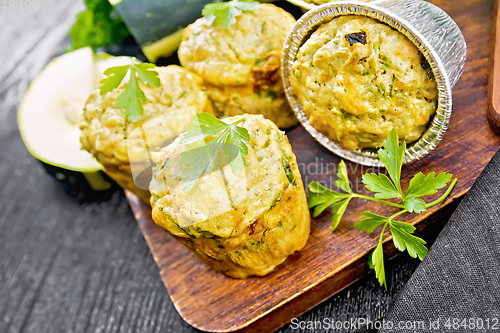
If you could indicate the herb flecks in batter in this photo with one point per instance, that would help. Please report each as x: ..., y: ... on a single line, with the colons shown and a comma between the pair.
x: 288, y: 171
x: 364, y: 79
x: 132, y: 97
x: 203, y: 149
x: 223, y: 14
x: 356, y: 37
x: 385, y: 188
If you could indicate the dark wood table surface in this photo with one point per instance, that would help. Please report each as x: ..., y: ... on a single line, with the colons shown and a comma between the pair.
x: 72, y: 265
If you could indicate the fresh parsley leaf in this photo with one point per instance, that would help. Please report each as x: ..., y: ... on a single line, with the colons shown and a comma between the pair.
x: 204, y: 125
x: 209, y: 10
x: 114, y: 76
x: 147, y: 74
x: 199, y: 161
x: 377, y: 262
x: 246, y: 5
x: 382, y: 185
x: 404, y: 240
x: 370, y: 261
x: 224, y: 14
x: 392, y: 156
x: 414, y: 205
x: 226, y: 18
x: 376, y: 258
x: 371, y: 222
x: 316, y: 187
x: 234, y: 141
x: 343, y: 181
x: 203, y: 151
x: 421, y: 185
x: 338, y: 211
x: 132, y: 97
x: 321, y: 197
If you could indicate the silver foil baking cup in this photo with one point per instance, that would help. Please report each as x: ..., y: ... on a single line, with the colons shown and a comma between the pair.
x: 432, y: 31
x: 308, y: 6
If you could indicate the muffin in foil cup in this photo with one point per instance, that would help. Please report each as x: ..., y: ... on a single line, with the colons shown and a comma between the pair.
x: 427, y: 26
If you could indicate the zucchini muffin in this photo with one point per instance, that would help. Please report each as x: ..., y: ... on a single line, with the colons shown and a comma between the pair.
x: 240, y: 224
x: 122, y: 147
x: 357, y: 79
x: 241, y: 65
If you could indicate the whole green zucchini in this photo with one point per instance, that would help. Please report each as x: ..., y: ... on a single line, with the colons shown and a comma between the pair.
x: 157, y: 24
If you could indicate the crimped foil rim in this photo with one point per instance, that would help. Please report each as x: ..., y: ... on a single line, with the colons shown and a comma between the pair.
x: 311, y: 20
x: 309, y: 6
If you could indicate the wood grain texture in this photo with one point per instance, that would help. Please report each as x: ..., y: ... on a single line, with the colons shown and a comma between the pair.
x: 330, y: 261
x: 73, y: 266
x: 494, y: 86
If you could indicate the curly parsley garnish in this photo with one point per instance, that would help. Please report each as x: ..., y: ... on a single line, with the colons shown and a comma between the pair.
x: 203, y: 149
x: 223, y: 14
x: 385, y: 188
x: 132, y: 97
x: 97, y: 26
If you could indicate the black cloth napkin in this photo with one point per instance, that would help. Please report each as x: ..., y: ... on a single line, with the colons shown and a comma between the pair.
x: 456, y: 288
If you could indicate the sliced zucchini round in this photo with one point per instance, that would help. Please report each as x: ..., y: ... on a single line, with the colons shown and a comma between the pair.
x: 50, y: 111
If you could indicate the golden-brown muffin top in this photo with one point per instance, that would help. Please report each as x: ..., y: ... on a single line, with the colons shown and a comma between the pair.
x: 356, y: 92
x: 227, y: 57
x: 169, y: 108
x: 223, y: 203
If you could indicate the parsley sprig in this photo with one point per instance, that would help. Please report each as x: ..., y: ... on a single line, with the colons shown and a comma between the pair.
x: 385, y: 188
x: 206, y: 137
x: 132, y: 97
x: 223, y: 14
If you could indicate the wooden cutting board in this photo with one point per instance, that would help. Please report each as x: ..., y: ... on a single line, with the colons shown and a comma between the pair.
x: 330, y: 261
